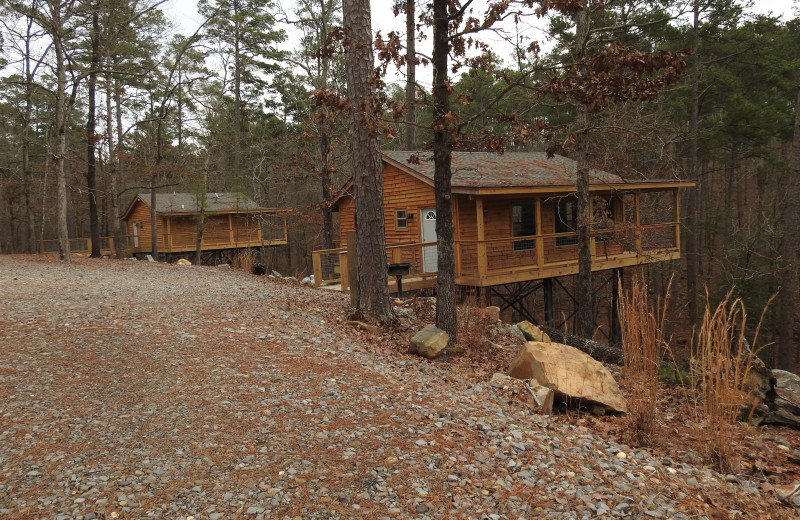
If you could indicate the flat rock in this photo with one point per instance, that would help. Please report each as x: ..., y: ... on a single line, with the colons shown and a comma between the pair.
x: 569, y: 372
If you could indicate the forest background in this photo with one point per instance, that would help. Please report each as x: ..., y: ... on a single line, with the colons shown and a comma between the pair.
x: 107, y: 98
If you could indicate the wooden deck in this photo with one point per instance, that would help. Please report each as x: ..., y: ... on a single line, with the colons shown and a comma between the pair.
x: 484, y: 263
x: 166, y: 245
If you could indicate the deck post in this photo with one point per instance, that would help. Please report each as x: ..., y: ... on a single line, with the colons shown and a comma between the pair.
x: 316, y: 261
x: 616, y: 296
x: 638, y: 224
x: 547, y: 285
x: 481, y: 237
x: 539, y: 239
x: 677, y: 202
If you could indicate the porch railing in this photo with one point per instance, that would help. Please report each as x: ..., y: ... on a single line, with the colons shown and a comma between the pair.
x: 510, y: 259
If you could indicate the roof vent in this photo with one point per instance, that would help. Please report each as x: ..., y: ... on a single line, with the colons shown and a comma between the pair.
x: 216, y: 195
x: 183, y: 207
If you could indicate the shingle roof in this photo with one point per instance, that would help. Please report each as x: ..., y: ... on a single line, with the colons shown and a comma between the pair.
x: 215, y: 202
x: 511, y: 169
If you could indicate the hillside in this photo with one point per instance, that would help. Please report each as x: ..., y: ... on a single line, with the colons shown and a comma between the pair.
x: 132, y: 389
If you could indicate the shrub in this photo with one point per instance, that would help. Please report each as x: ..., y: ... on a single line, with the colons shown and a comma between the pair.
x: 722, y: 360
x: 642, y: 328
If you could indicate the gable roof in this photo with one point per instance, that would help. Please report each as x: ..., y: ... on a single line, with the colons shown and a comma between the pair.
x: 186, y: 203
x: 487, y: 172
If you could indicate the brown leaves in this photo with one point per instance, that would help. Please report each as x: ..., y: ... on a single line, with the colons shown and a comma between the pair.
x: 618, y: 74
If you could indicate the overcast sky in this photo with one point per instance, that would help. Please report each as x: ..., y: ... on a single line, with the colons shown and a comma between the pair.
x: 184, y: 14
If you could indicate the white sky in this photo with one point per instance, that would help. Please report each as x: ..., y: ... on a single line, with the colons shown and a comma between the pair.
x: 184, y: 14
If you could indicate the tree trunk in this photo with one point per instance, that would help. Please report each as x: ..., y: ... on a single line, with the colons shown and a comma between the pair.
x: 367, y: 175
x: 112, y: 169
x: 692, y: 208
x: 27, y: 174
x: 327, y: 187
x: 237, y: 95
x: 598, y: 351
x: 788, y: 294
x: 411, y: 87
x: 584, y: 316
x: 91, y: 157
x: 446, y: 318
x: 59, y: 157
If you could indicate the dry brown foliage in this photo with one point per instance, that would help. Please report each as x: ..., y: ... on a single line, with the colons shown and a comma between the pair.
x: 642, y: 343
x: 244, y: 260
x: 722, y: 361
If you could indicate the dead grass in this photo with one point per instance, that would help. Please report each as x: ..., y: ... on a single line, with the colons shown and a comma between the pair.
x: 473, y: 328
x: 642, y: 344
x: 244, y: 260
x: 722, y: 361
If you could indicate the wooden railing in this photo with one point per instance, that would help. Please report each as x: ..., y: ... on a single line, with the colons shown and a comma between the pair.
x: 84, y: 245
x: 506, y: 260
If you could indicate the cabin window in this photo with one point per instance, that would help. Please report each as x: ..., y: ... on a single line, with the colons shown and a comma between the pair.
x: 605, y: 213
x: 402, y: 219
x: 566, y: 220
x: 523, y: 224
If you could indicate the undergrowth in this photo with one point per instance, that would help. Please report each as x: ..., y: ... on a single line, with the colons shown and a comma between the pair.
x: 722, y: 361
x: 643, y: 342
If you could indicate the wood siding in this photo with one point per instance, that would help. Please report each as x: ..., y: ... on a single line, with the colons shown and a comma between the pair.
x: 618, y: 242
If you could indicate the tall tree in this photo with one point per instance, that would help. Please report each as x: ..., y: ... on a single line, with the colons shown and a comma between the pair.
x: 245, y: 31
x: 91, y: 141
x: 595, y: 74
x: 319, y: 68
x: 411, y: 75
x: 443, y: 124
x: 367, y: 174
x: 787, y: 355
x: 30, y: 56
x: 455, y: 34
x: 56, y: 18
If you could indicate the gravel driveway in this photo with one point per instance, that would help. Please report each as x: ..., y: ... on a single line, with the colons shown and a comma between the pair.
x: 140, y: 390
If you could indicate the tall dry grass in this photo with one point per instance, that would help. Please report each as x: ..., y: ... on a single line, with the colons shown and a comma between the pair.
x: 643, y: 345
x: 244, y: 260
x: 723, y: 359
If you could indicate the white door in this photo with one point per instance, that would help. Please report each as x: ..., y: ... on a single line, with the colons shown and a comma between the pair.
x: 429, y: 259
x: 135, y: 234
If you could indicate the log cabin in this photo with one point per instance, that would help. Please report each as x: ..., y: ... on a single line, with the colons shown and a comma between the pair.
x: 515, y: 219
x: 231, y: 221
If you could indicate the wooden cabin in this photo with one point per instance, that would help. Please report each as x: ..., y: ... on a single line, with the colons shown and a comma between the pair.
x: 515, y: 219
x: 230, y: 221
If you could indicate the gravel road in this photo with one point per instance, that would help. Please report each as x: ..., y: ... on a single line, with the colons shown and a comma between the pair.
x: 141, y: 390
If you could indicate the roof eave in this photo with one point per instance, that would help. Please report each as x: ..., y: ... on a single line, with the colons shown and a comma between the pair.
x: 569, y: 188
x: 408, y: 170
x: 131, y: 205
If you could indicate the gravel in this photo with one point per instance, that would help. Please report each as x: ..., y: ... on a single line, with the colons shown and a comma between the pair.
x: 140, y: 390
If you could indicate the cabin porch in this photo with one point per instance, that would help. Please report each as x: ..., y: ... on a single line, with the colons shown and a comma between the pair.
x: 640, y: 227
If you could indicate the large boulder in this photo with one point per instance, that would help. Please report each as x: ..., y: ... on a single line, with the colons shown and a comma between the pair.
x: 429, y: 342
x: 569, y: 372
x: 785, y: 400
x: 492, y: 313
x: 532, y: 332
